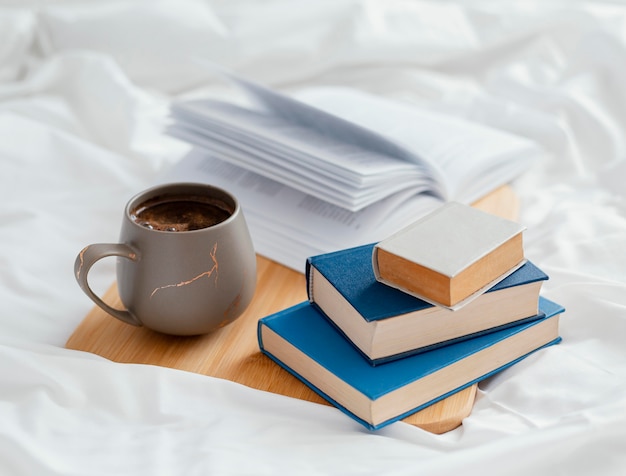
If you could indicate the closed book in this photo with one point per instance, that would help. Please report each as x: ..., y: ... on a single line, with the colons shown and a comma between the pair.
x: 302, y: 341
x: 384, y: 323
x: 451, y: 255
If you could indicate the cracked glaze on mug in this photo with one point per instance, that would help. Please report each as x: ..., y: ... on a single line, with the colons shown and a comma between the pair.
x: 208, y: 274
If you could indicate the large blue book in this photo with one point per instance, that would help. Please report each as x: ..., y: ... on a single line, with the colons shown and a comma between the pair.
x: 305, y: 343
x: 385, y: 323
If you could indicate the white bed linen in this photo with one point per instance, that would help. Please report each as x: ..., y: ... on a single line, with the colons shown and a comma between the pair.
x: 84, y: 89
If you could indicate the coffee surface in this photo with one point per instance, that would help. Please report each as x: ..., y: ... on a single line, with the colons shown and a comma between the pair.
x: 173, y: 213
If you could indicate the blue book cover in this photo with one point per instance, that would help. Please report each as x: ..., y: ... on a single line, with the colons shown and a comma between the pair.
x: 351, y: 273
x: 302, y: 341
x: 385, y: 323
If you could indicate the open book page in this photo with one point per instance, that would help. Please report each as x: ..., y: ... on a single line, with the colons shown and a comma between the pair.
x: 473, y: 158
x: 348, y: 147
x: 328, y: 124
x: 465, y: 160
x: 341, y: 173
x: 287, y: 225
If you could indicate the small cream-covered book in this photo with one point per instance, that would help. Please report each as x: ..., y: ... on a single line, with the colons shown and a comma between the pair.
x: 450, y: 256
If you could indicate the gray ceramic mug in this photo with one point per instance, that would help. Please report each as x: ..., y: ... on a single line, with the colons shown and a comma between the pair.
x: 175, y: 274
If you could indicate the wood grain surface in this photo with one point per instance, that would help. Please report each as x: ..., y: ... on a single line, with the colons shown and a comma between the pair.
x: 232, y: 352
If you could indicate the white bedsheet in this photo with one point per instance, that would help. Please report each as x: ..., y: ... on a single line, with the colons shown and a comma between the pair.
x: 84, y: 90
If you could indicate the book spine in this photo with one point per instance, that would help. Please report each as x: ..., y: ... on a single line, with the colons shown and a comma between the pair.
x: 308, y: 275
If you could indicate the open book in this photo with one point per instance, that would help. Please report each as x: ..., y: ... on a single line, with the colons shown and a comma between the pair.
x: 334, y: 167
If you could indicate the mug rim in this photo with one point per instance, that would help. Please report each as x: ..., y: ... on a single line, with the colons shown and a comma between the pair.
x: 166, y: 188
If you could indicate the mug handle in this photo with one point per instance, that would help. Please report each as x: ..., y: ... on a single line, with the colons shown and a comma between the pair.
x: 87, y: 258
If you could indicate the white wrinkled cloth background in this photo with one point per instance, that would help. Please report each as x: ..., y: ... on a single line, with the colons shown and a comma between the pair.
x: 84, y: 91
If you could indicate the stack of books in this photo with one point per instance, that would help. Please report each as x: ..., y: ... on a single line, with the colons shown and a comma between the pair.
x: 392, y: 327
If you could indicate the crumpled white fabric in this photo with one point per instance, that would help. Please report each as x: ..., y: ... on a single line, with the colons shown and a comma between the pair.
x: 84, y: 91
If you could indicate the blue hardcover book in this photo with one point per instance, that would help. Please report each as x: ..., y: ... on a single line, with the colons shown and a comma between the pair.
x: 385, y: 323
x: 302, y: 341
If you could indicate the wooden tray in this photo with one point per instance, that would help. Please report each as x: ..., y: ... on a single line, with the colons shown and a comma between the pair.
x: 232, y: 352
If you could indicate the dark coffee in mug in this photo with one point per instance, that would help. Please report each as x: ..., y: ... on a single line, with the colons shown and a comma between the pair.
x: 181, y: 213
